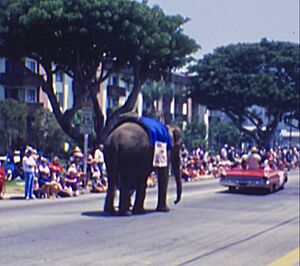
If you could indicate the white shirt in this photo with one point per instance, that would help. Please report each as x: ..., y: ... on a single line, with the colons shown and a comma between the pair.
x: 99, y: 156
x: 44, y: 169
x: 28, y: 164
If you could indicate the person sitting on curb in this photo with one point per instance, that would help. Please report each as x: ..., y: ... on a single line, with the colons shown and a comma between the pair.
x: 71, y: 179
x: 56, y: 168
x: 99, y: 183
x: 78, y: 162
x: 2, y: 182
x: 48, y: 185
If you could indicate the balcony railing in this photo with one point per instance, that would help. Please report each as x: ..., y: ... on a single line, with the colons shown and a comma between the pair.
x: 115, y: 91
x: 18, y: 79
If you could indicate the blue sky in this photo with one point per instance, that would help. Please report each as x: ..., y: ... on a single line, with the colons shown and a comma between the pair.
x: 216, y: 23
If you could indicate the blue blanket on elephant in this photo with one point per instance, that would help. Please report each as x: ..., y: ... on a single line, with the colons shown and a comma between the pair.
x: 157, y: 131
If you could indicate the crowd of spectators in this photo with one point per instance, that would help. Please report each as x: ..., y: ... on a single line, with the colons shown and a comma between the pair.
x: 49, y: 178
x: 199, y: 162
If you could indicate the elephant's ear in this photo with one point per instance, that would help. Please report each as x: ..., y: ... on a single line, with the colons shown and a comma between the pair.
x: 175, y: 134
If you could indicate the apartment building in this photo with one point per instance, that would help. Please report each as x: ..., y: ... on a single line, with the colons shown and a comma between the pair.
x: 16, y: 84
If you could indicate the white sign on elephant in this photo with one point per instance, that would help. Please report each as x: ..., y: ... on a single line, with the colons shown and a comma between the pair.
x: 160, y: 158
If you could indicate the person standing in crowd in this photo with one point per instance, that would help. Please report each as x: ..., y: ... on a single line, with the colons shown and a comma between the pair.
x: 99, y: 158
x: 29, y: 165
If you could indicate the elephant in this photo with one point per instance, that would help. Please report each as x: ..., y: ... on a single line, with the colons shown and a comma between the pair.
x: 128, y: 156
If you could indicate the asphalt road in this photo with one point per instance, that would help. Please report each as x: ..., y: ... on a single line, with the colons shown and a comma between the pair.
x: 209, y: 227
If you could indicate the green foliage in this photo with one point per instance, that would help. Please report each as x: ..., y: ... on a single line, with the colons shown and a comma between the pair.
x: 13, y: 123
x: 21, y: 126
x: 79, y: 36
x: 153, y: 92
x: 235, y: 78
x: 225, y: 133
x: 46, y: 134
x: 193, y: 134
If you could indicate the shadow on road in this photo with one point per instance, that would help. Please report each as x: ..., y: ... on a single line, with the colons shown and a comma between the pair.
x: 15, y: 198
x: 248, y: 191
x: 104, y: 214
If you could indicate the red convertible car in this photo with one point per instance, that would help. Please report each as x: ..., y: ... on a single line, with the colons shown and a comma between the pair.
x: 271, y: 180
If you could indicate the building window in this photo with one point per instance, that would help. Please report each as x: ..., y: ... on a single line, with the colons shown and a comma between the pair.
x: 12, y: 94
x: 113, y: 81
x: 8, y: 66
x: 13, y: 67
x: 31, y: 96
x: 184, y: 109
x: 60, y: 98
x: 59, y: 76
x: 21, y: 95
x: 32, y: 65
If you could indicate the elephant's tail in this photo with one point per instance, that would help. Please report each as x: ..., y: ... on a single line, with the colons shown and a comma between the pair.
x: 111, y: 151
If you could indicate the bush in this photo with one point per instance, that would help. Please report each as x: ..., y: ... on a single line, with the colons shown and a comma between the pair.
x: 21, y: 126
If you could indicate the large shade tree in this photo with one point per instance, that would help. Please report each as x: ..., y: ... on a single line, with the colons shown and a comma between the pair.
x: 237, y: 78
x: 89, y: 40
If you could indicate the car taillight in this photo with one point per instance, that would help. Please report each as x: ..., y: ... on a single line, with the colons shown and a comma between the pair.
x: 266, y: 180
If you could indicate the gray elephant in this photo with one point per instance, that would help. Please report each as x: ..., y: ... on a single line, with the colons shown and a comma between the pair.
x: 128, y: 154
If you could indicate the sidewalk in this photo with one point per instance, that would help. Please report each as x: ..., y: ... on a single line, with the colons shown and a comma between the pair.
x: 16, y: 191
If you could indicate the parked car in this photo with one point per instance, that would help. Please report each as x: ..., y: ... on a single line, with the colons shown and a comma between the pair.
x: 271, y: 180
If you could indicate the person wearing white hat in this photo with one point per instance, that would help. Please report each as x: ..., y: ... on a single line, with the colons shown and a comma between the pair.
x: 29, y: 165
x: 71, y: 179
x: 254, y: 159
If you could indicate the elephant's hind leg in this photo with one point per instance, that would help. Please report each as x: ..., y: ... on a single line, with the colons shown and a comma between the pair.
x: 110, y: 194
x: 138, y: 207
x: 124, y: 202
x: 109, y: 200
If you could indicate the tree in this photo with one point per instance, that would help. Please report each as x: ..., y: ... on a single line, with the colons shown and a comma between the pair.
x: 237, y: 78
x: 46, y: 134
x: 225, y: 133
x: 193, y: 134
x: 13, y: 123
x: 89, y: 40
x: 20, y: 126
x: 153, y: 92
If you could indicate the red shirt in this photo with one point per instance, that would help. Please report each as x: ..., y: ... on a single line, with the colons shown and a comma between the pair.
x: 2, y: 178
x: 56, y: 168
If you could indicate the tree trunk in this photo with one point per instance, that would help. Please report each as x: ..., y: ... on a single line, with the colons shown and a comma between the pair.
x: 128, y: 107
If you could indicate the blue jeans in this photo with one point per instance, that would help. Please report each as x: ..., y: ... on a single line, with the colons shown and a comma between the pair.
x: 29, y: 184
x: 100, y: 165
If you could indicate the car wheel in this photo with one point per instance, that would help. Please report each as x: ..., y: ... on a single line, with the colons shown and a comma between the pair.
x: 232, y: 189
x: 272, y: 188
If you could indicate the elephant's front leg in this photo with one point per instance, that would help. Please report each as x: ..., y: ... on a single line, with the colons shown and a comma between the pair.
x: 163, y: 180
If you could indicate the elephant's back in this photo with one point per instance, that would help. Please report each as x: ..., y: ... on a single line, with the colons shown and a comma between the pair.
x: 129, y: 136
